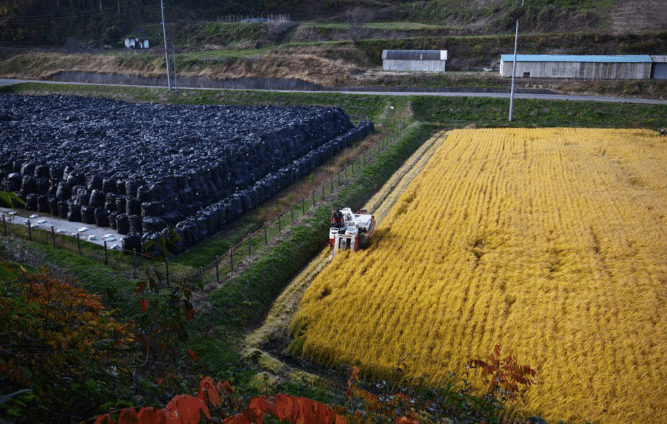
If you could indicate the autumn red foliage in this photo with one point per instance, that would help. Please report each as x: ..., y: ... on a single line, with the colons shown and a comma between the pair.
x: 57, y: 341
x: 504, y: 377
x: 187, y: 409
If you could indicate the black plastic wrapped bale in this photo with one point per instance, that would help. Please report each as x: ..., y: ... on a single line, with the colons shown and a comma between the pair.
x: 109, y: 185
x: 101, y: 217
x: 53, y: 205
x: 43, y: 185
x: 80, y: 195
x: 150, y: 192
x: 52, y: 187
x: 6, y: 168
x: 94, y: 182
x: 63, y: 208
x: 87, y: 214
x: 112, y: 220
x: 186, y: 195
x: 13, y: 182
x: 152, y: 208
x: 42, y: 171
x: 151, y: 243
x: 133, y: 206
x: 176, y: 238
x: 28, y: 169
x: 75, y: 178
x: 131, y: 243
x: 171, y: 218
x: 131, y: 187
x: 152, y: 223
x: 73, y: 212
x: 122, y: 224
x: 121, y: 204
x: 31, y: 202
x: 110, y: 202
x: 64, y: 190
x: 120, y: 187
x: 135, y: 223
x: 28, y: 185
x: 202, y: 227
x: 43, y: 203
x: 97, y: 198
x: 56, y: 171
x: 211, y: 221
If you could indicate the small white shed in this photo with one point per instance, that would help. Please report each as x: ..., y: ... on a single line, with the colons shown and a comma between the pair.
x: 414, y: 60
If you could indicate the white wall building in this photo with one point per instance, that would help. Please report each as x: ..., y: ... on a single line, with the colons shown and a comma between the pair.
x: 578, y: 66
x: 414, y: 60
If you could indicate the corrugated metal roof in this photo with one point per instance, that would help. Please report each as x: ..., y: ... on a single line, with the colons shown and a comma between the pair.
x: 631, y: 58
x: 414, y: 54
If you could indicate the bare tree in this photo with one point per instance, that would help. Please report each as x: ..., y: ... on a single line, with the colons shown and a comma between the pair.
x: 356, y: 18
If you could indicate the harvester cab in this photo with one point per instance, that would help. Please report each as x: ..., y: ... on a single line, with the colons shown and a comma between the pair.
x: 350, y: 230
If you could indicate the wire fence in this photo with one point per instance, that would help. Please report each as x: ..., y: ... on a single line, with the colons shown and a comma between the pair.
x: 135, y: 264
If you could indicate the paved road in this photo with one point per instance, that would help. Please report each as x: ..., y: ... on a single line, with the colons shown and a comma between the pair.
x: 504, y: 95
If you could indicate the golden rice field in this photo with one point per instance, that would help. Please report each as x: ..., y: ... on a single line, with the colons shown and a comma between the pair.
x: 551, y: 243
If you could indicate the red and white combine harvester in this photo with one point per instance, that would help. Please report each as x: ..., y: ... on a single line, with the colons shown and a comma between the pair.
x: 350, y: 230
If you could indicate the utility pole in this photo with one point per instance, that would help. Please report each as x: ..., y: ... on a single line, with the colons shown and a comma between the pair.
x: 516, y: 38
x: 173, y: 54
x: 516, y: 41
x: 166, y: 49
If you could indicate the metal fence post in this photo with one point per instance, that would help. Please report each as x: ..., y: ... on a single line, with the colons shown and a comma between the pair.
x: 249, y: 246
x: 217, y: 270
x: 53, y: 235
x: 231, y: 258
x: 166, y: 268
x: 134, y: 257
x: 4, y: 223
x: 106, y: 256
x: 313, y: 197
x: 78, y: 242
x: 29, y: 231
x: 279, y: 224
x: 266, y: 239
x: 303, y: 205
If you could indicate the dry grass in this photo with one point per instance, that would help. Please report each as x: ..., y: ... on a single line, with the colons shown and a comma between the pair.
x: 549, y: 242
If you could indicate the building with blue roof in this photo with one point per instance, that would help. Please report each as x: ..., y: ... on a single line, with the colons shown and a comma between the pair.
x: 637, y: 67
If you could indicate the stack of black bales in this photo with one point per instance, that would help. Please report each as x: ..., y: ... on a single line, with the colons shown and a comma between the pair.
x: 141, y: 168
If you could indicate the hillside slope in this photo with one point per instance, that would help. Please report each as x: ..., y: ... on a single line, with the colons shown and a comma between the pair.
x: 37, y: 22
x: 638, y: 16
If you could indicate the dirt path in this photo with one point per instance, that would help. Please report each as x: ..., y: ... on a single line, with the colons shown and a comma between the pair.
x: 43, y: 221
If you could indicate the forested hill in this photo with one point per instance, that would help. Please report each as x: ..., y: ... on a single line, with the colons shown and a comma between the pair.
x: 52, y: 22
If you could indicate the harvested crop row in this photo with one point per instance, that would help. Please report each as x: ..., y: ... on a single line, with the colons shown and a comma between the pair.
x: 548, y: 242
